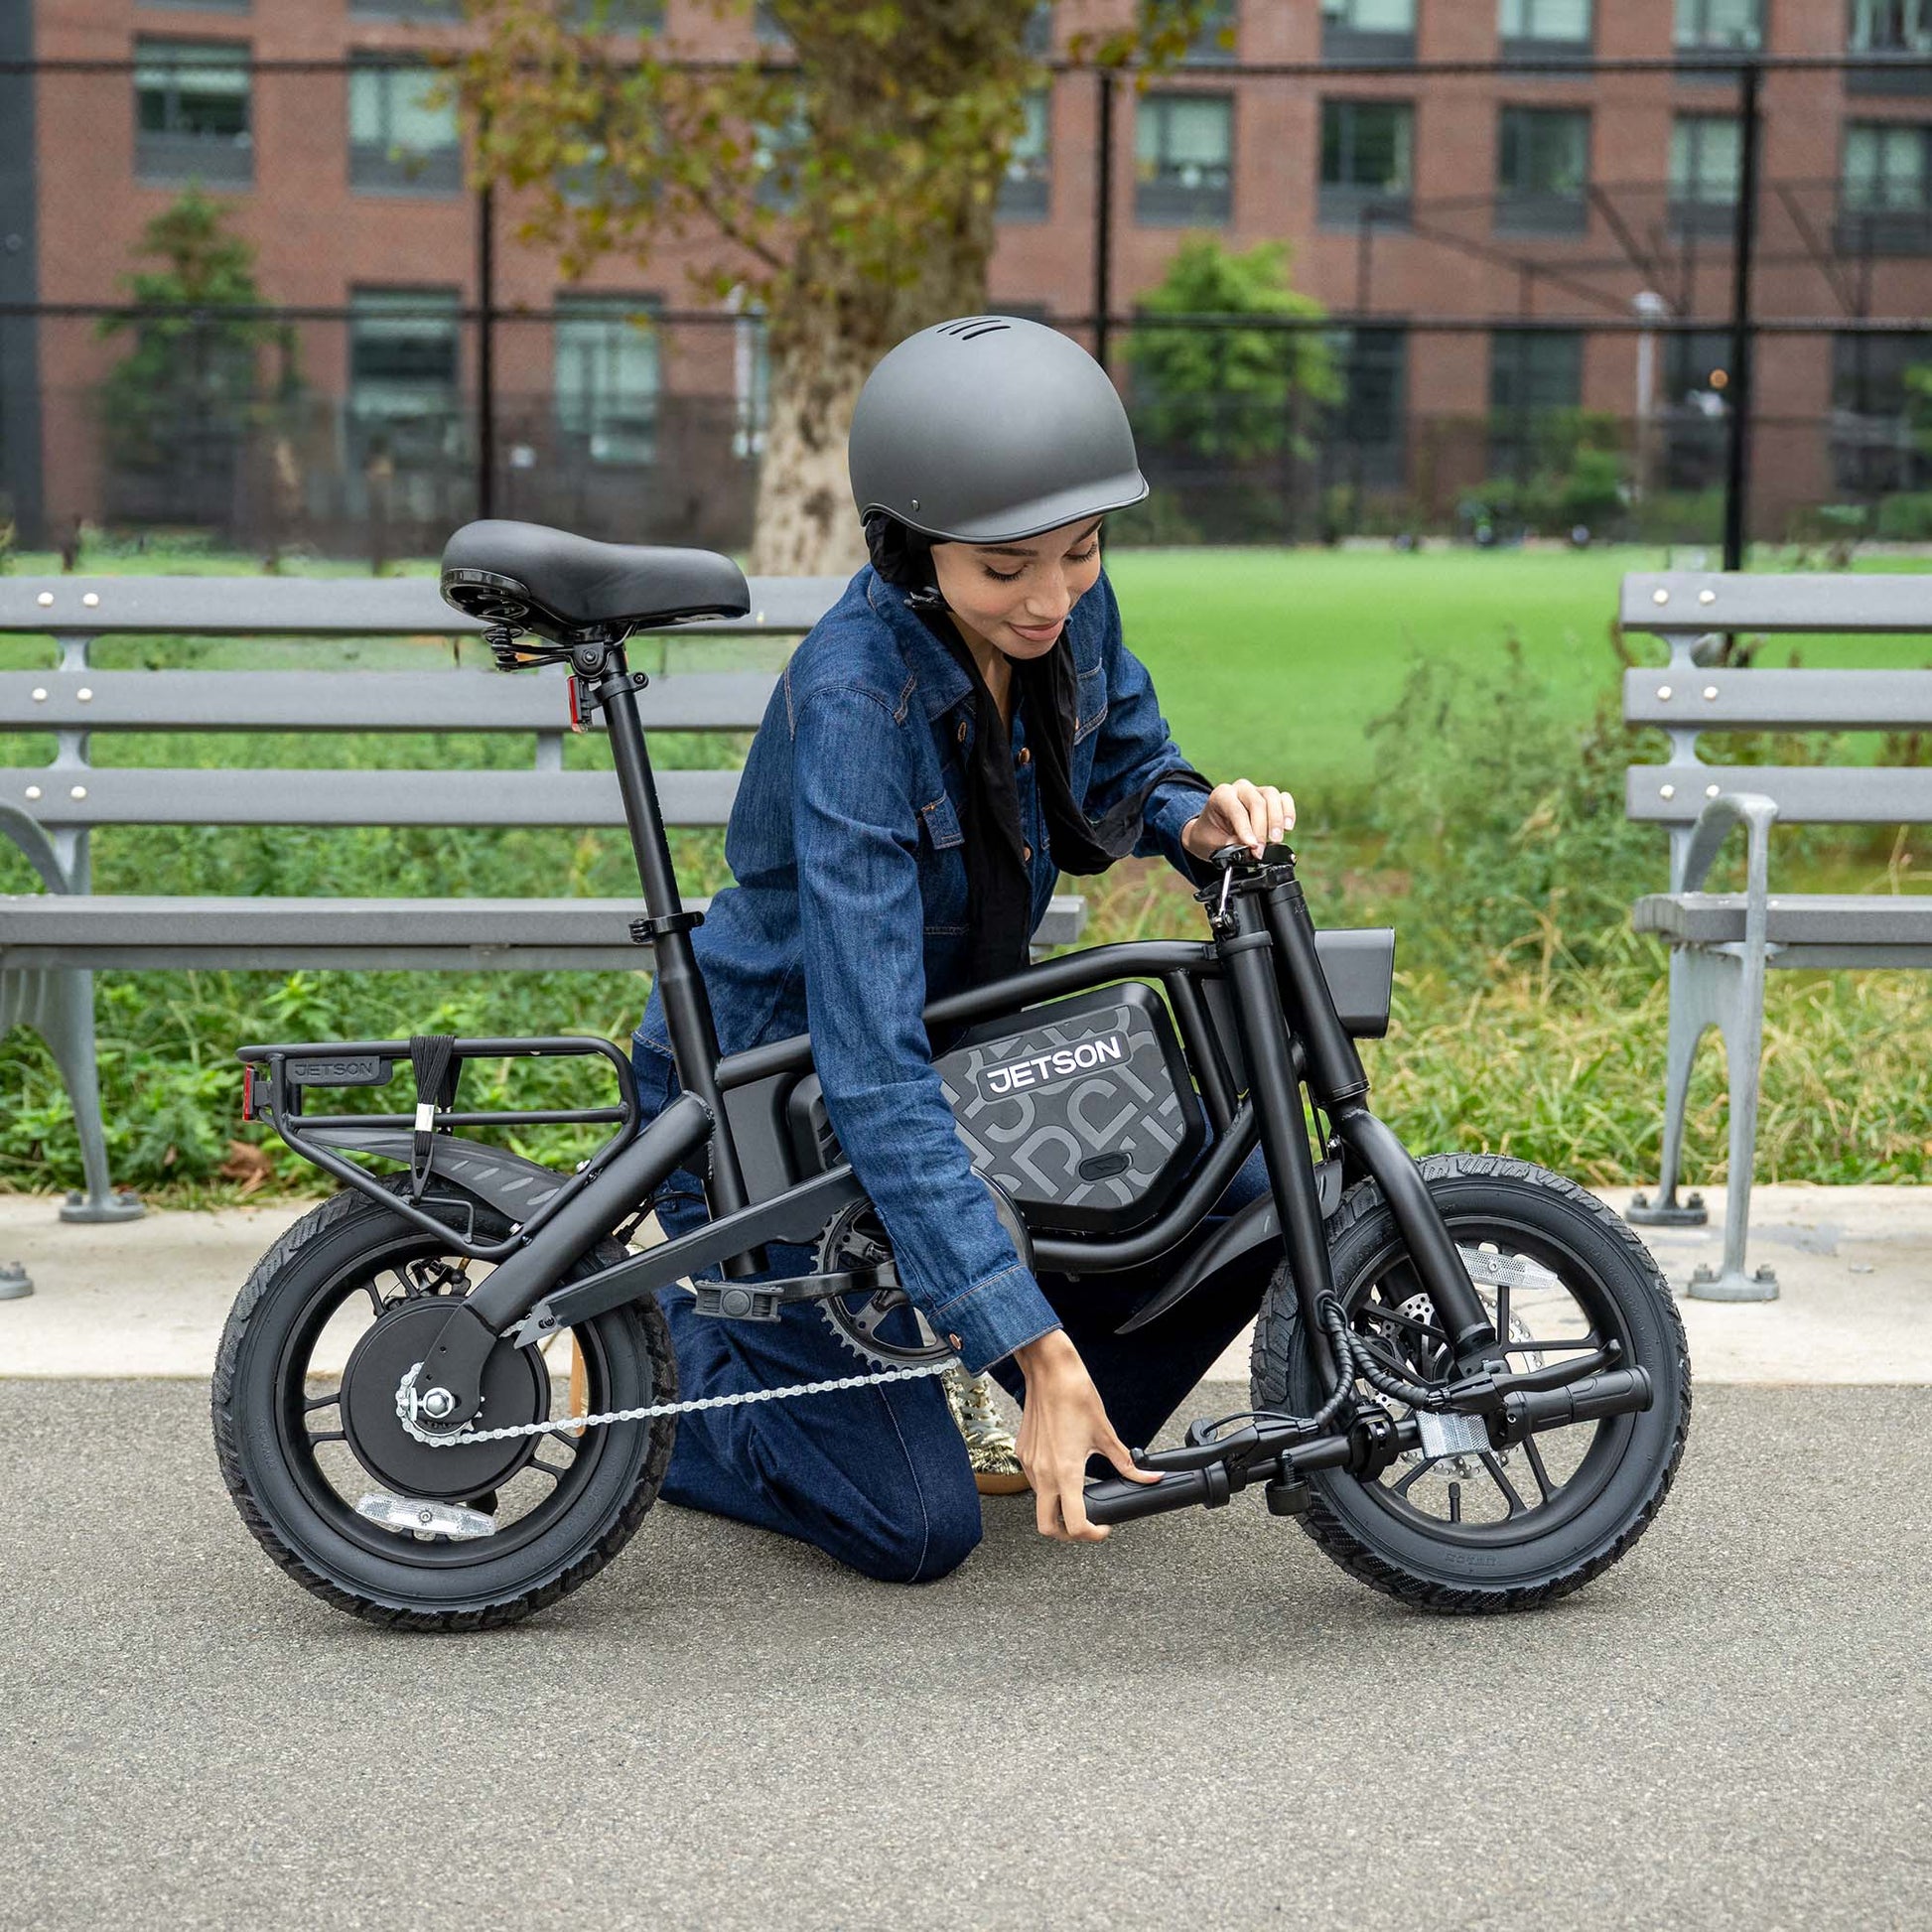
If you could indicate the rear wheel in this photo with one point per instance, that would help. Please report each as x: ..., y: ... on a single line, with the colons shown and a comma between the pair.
x: 392, y: 1529
x: 1558, y: 1273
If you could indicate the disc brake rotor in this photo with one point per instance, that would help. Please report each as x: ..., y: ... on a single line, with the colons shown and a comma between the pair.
x: 1433, y: 1360
x: 880, y: 1325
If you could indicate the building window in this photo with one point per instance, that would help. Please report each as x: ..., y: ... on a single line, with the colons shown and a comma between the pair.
x: 401, y: 141
x: 1368, y: 29
x: 766, y: 25
x: 424, y: 10
x: 1705, y: 157
x: 1215, y: 41
x: 1184, y: 159
x: 404, y: 395
x: 1362, y: 440
x: 751, y: 382
x: 1025, y: 192
x: 1038, y: 39
x: 1534, y: 375
x: 1725, y: 26
x: 1543, y: 171
x: 607, y: 376
x: 777, y: 154
x: 194, y: 6
x: 1877, y: 428
x: 1886, y: 204
x: 1367, y: 161
x: 1899, y: 29
x: 628, y: 17
x: 1531, y: 28
x: 1696, y: 411
x: 192, y: 117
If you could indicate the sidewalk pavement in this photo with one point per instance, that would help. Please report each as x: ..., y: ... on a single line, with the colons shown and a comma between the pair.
x: 148, y: 1298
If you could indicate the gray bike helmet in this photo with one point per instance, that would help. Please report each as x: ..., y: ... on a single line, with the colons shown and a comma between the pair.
x: 989, y: 429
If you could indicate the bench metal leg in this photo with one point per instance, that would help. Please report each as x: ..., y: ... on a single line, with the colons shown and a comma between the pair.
x: 58, y: 1003
x: 1690, y: 1013
x: 1723, y: 990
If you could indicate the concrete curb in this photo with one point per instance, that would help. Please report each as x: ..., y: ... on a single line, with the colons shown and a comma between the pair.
x: 146, y: 1299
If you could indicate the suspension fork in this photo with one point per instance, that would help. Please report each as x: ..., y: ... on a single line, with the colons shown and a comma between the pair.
x: 1338, y: 1086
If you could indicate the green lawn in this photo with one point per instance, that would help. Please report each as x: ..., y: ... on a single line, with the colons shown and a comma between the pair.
x: 1270, y: 662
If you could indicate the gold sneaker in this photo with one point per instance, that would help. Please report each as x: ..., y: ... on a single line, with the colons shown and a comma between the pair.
x: 990, y: 1447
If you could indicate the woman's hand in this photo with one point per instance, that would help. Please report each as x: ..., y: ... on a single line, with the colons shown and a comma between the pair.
x: 1063, y: 1423
x: 1239, y: 813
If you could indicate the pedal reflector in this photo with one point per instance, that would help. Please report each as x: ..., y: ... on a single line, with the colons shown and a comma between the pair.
x: 411, y: 1516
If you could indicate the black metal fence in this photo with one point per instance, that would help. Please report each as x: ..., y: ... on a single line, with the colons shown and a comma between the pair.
x: 1731, y: 346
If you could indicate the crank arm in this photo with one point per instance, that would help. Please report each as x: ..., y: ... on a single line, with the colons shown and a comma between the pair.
x: 762, y: 1301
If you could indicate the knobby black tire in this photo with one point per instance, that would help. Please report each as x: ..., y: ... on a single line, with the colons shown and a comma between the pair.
x: 1344, y: 1522
x: 635, y: 1339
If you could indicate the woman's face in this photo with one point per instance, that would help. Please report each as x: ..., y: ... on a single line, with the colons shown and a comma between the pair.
x: 1016, y: 596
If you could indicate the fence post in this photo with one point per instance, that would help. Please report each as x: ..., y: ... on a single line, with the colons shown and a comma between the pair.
x: 485, y: 346
x: 1743, y: 324
x: 1103, y: 220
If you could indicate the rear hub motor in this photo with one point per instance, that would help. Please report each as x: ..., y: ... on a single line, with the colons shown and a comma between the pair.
x: 515, y: 1389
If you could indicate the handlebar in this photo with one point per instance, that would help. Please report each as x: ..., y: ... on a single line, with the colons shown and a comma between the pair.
x: 1116, y: 1501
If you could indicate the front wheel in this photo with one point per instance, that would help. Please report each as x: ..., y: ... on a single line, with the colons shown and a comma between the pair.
x: 1558, y: 1273
x: 386, y: 1527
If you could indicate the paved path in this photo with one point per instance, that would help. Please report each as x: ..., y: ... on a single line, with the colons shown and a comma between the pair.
x: 149, y: 1297
x: 1200, y: 1724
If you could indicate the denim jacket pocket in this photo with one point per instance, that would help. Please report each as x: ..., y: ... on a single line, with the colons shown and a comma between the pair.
x: 1090, y: 702
x: 941, y: 823
x: 942, y: 870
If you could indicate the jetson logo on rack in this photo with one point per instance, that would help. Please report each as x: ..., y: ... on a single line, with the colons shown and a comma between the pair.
x: 1014, y: 1076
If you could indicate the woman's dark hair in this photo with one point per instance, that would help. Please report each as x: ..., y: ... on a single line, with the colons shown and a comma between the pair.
x: 903, y: 556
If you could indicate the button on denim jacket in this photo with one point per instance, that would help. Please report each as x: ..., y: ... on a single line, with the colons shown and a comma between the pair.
x: 849, y: 914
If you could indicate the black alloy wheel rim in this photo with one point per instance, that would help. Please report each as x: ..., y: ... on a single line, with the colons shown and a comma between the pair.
x: 298, y: 1441
x: 1557, y: 1502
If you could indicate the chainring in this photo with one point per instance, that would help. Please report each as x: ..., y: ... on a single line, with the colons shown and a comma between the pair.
x: 865, y: 1322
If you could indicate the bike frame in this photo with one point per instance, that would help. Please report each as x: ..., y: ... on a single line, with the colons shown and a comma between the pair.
x: 1258, y: 985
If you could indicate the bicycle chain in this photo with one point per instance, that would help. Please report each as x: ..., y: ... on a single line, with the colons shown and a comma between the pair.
x: 406, y: 1401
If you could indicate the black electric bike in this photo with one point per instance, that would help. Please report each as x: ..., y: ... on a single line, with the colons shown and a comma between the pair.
x: 447, y: 1397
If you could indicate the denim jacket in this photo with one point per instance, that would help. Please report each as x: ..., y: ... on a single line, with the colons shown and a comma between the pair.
x: 849, y: 914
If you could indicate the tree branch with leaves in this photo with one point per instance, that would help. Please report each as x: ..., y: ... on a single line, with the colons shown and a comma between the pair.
x: 849, y: 184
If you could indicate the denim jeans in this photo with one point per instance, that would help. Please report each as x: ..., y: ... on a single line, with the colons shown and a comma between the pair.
x: 878, y: 1477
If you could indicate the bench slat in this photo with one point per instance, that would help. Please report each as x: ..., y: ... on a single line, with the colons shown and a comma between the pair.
x: 1698, y: 601
x: 1800, y: 918
x: 362, y: 934
x: 449, y: 700
x: 312, y: 607
x: 113, y: 796
x: 1805, y: 794
x: 1780, y: 700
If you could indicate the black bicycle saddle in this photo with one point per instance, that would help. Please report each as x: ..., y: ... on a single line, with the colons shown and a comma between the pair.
x: 559, y: 585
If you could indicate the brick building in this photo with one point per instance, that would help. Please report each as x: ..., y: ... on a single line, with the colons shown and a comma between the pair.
x: 1422, y: 207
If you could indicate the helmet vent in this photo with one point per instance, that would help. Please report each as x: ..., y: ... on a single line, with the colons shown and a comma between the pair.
x: 974, y: 326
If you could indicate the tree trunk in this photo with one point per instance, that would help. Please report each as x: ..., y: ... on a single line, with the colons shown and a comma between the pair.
x: 838, y: 309
x: 806, y: 524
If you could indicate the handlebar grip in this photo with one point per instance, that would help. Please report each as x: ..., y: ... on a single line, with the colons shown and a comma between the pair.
x: 1116, y: 1500
x: 1616, y: 1392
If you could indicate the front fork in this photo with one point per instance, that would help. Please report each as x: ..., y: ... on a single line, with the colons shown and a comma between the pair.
x: 1266, y: 941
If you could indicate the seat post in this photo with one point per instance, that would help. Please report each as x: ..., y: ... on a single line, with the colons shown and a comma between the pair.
x: 674, y: 963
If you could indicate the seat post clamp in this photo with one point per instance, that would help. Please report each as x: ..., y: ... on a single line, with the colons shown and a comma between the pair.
x: 647, y: 932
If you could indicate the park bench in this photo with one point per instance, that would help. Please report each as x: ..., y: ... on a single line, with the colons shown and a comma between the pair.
x: 51, y: 942
x: 1722, y: 943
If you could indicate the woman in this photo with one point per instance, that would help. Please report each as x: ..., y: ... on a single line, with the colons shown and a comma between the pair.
x: 962, y: 727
